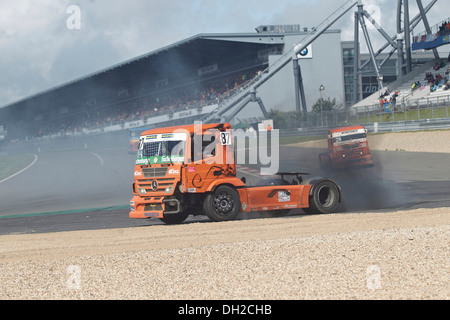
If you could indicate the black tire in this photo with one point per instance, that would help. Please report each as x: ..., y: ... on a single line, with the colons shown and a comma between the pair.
x: 324, y: 198
x: 175, y: 218
x: 223, y: 204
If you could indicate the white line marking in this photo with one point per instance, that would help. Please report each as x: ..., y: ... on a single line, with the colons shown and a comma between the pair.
x: 23, y: 170
x: 99, y: 157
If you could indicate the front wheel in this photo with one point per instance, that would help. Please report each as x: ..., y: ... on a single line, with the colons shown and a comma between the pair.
x: 324, y: 198
x: 223, y: 204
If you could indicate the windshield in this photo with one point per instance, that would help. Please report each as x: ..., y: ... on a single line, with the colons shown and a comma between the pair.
x: 161, y: 148
x: 350, y: 137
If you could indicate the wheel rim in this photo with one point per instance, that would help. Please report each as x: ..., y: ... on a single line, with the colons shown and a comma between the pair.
x: 223, y: 203
x: 326, y: 196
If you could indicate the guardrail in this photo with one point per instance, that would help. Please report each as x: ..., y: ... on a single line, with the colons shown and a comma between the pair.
x: 377, y: 127
x: 413, y: 125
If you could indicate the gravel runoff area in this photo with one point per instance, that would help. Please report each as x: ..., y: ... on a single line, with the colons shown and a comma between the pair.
x: 372, y: 255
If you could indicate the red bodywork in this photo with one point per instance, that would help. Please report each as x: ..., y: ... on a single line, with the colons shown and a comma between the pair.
x: 348, y: 147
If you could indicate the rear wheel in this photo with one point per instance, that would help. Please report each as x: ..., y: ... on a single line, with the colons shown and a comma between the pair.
x: 223, y: 204
x: 324, y: 199
x: 175, y: 218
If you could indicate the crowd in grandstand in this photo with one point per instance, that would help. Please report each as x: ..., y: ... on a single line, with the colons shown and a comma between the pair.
x: 444, y: 29
x: 137, y: 106
x: 437, y: 80
x: 388, y: 100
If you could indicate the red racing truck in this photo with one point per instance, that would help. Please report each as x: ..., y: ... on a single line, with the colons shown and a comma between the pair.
x: 347, y: 148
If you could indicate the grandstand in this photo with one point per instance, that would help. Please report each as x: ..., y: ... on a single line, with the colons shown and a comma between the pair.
x: 426, y: 86
x: 414, y: 92
x: 184, y: 76
x: 418, y: 92
x: 173, y: 85
x: 203, y: 77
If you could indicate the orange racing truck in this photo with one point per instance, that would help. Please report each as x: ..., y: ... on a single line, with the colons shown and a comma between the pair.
x: 347, y: 148
x: 190, y: 170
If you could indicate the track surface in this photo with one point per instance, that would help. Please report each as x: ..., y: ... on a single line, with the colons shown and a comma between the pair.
x: 87, y: 190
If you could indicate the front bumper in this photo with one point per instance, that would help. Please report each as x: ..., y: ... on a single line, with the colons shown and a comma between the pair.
x: 345, y: 163
x: 146, y: 208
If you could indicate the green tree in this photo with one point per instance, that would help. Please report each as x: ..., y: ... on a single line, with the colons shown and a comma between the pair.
x: 325, y: 105
x: 285, y: 120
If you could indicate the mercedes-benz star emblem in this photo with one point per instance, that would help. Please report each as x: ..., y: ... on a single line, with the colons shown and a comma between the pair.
x: 154, y: 185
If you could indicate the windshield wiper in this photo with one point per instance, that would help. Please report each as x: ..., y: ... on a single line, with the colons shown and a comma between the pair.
x: 166, y: 144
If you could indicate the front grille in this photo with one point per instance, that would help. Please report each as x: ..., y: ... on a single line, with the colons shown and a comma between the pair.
x: 154, y: 172
x: 153, y: 207
x: 354, y: 152
x: 351, y: 146
x: 162, y: 184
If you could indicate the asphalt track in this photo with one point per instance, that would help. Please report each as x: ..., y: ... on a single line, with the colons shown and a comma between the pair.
x: 82, y: 189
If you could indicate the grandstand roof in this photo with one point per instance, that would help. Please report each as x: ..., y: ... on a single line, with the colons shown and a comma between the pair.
x: 199, y: 50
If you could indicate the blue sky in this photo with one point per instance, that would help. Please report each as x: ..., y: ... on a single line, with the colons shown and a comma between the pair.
x: 39, y: 51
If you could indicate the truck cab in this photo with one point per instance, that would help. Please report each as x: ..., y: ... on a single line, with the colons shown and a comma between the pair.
x: 348, y: 147
x: 176, y: 167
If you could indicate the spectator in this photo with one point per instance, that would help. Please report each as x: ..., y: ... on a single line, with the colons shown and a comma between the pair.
x: 140, y: 108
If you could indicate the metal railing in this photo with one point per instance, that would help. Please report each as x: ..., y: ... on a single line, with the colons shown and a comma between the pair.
x: 427, y: 108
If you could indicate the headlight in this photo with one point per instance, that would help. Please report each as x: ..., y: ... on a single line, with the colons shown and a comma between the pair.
x: 169, y: 189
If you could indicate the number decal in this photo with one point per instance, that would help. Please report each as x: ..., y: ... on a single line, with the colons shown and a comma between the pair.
x: 225, y: 138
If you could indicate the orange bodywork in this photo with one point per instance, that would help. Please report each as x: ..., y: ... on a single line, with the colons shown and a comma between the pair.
x: 196, y: 175
x: 274, y: 198
x: 171, y: 186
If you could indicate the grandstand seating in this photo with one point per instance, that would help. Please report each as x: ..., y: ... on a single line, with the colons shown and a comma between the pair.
x: 152, y: 108
x: 419, y: 96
